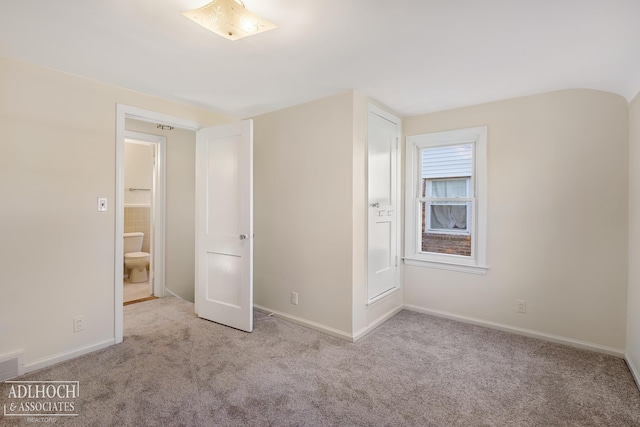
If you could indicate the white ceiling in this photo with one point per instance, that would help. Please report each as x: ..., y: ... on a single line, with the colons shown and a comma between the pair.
x: 413, y: 56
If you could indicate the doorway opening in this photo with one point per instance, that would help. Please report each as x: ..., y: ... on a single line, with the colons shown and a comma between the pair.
x: 124, y: 113
x: 143, y: 217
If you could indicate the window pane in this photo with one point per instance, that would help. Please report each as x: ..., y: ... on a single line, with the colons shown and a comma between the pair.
x: 448, y: 217
x: 449, y: 188
x: 444, y: 228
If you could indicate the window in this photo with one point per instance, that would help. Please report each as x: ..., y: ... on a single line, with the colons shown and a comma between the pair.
x: 446, y: 200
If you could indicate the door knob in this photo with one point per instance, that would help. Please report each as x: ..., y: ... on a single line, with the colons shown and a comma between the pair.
x: 243, y: 236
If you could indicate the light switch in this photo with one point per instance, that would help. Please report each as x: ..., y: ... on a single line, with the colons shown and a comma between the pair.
x: 102, y: 204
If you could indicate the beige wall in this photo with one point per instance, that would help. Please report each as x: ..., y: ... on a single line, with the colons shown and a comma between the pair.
x: 311, y: 215
x: 58, y: 157
x: 180, y: 225
x: 303, y: 210
x: 633, y: 297
x: 557, y: 218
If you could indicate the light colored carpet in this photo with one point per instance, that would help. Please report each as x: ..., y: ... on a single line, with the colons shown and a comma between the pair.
x: 415, y: 370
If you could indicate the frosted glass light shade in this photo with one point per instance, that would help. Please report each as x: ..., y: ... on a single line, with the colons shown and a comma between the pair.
x: 230, y: 19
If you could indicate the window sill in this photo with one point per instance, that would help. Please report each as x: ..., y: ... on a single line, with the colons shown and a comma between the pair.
x: 448, y: 232
x: 463, y: 268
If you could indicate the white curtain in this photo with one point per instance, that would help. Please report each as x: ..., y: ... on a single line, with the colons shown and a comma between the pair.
x: 449, y: 188
x: 448, y: 216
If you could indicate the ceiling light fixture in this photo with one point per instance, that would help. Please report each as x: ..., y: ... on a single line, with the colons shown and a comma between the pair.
x: 230, y: 19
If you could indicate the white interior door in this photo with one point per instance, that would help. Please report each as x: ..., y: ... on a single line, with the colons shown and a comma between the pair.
x: 224, y: 230
x: 382, y: 142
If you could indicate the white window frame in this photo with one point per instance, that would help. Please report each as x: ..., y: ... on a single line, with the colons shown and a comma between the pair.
x: 413, y: 255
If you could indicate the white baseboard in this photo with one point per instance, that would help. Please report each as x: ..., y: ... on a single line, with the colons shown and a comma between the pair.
x: 11, y: 365
x: 168, y: 291
x: 634, y: 370
x: 307, y: 323
x: 521, y: 331
x: 61, y: 357
x: 364, y: 331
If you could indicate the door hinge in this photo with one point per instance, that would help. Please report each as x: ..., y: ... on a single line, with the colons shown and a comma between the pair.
x: 396, y: 143
x: 396, y: 260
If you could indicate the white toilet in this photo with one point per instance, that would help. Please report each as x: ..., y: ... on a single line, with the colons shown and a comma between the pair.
x: 135, y: 261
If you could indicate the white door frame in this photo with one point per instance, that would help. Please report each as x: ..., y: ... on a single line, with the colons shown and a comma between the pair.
x: 128, y: 112
x: 158, y: 198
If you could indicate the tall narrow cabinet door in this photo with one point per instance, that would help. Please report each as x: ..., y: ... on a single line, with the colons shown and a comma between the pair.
x: 382, y: 143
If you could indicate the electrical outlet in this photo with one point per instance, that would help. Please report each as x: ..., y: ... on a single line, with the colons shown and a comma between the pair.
x: 78, y: 324
x: 521, y: 306
x: 294, y: 298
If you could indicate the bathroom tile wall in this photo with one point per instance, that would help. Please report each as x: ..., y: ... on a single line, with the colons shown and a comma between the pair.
x: 139, y: 219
